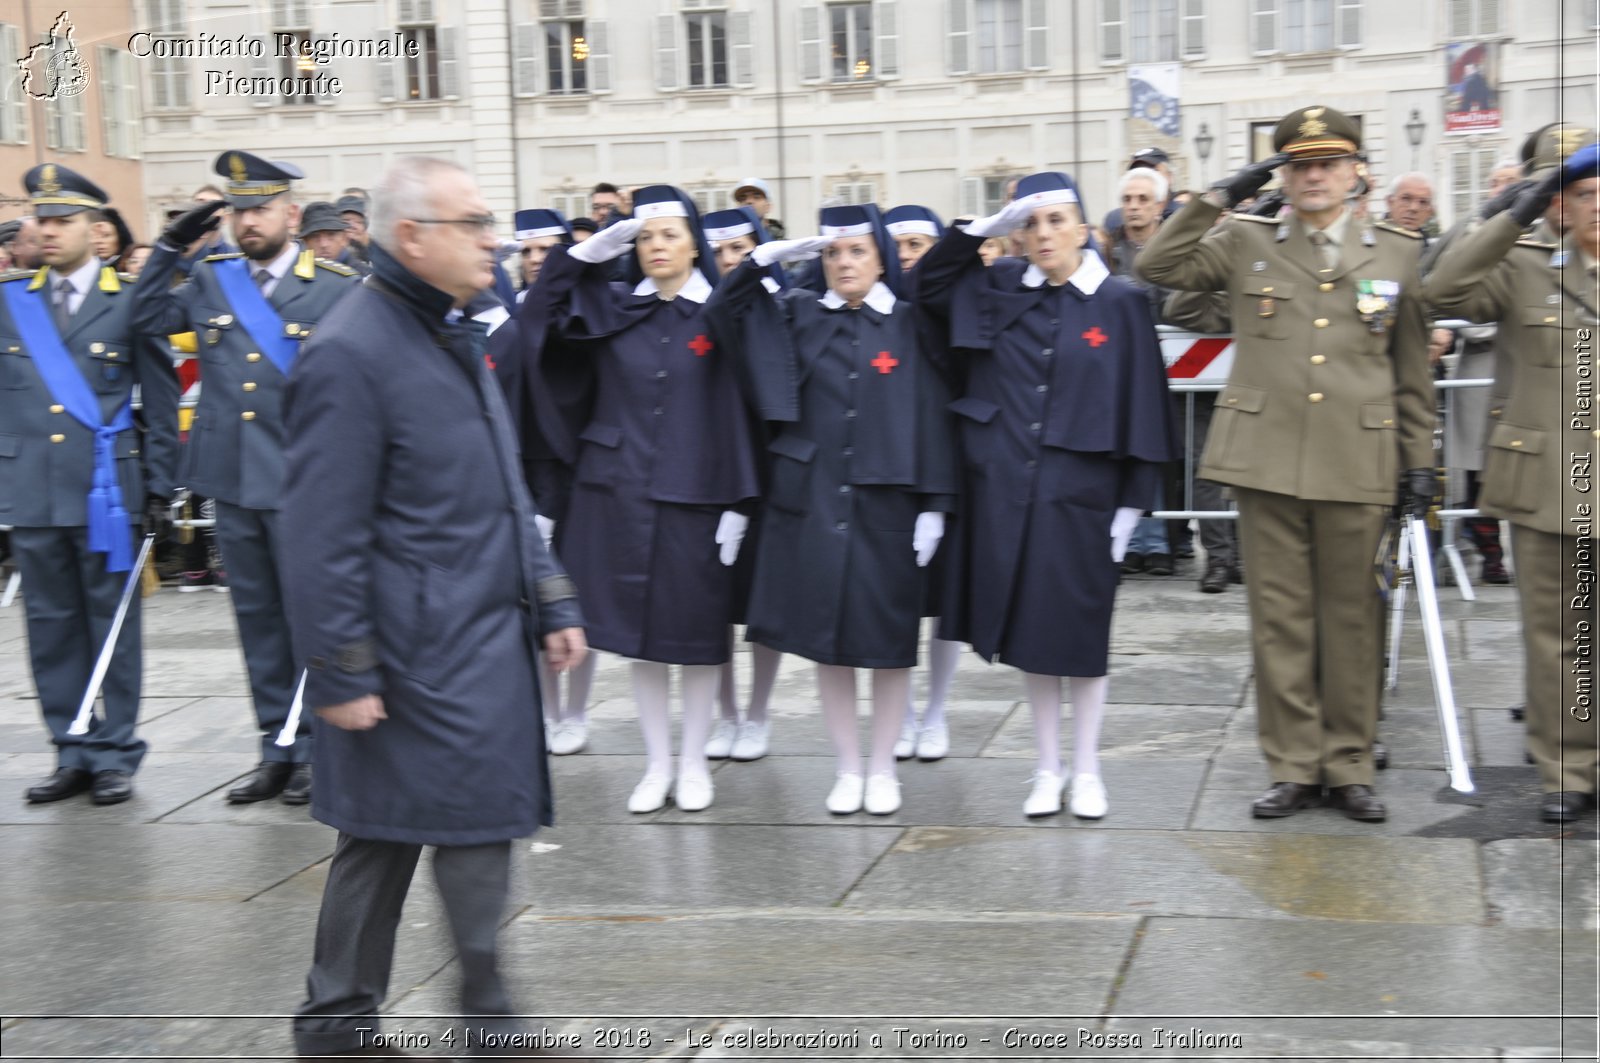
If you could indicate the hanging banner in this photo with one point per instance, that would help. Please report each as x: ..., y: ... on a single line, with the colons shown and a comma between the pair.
x: 1153, y: 97
x: 1472, y: 94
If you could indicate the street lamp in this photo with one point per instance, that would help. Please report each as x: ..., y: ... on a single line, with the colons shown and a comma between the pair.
x: 1415, y: 127
x: 1202, y: 147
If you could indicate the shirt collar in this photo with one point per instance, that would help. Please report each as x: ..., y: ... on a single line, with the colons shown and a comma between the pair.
x: 1336, y: 229
x: 280, y: 265
x: 880, y: 298
x: 82, y: 278
x: 696, y: 289
x: 1087, y: 278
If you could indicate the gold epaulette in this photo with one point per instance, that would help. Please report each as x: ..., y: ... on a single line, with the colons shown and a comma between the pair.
x: 1389, y: 228
x: 110, y: 279
x: 336, y: 267
x: 223, y: 255
x: 15, y: 275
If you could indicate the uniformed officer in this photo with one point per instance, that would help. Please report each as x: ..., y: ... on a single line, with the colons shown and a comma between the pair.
x: 73, y: 479
x: 250, y: 310
x: 1539, y: 466
x: 327, y: 233
x: 1329, y: 399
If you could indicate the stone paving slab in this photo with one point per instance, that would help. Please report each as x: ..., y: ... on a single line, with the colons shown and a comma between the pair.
x: 1337, y: 979
x: 1553, y: 884
x: 1413, y: 799
x: 165, y: 783
x: 1137, y: 679
x: 1159, y: 873
x: 1127, y: 731
x: 953, y: 792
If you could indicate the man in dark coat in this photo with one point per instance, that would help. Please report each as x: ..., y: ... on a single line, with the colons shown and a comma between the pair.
x: 418, y: 599
x: 250, y: 311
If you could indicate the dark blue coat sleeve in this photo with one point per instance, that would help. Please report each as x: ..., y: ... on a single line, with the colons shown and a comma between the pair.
x: 749, y: 321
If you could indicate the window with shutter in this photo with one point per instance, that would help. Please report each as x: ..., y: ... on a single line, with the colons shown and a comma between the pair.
x: 850, y: 38
x: 741, y: 50
x: 1194, y: 29
x: 1264, y: 25
x: 449, y: 63
x: 886, y: 16
x: 999, y: 36
x: 1036, y: 38
x: 13, y: 105
x: 110, y: 109
x: 1489, y: 17
x: 567, y: 54
x: 599, y: 61
x: 666, y: 52
x: 810, y: 43
x: 527, y: 41
x: 959, y: 19
x: 1153, y: 31
x: 1349, y: 24
x: 972, y: 197
x: 706, y: 49
x: 1111, y: 29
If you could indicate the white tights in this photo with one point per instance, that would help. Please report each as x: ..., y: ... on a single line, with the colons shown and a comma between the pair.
x: 890, y: 688
x: 763, y: 676
x: 1088, y: 709
x: 650, y: 695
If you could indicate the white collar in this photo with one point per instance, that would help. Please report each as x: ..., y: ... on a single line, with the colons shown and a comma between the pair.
x: 81, y: 279
x: 696, y: 289
x: 880, y: 298
x: 278, y: 266
x: 1087, y: 278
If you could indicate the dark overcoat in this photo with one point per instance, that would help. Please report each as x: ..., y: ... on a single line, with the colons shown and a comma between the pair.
x: 634, y: 393
x: 866, y: 447
x: 1064, y: 419
x: 417, y: 574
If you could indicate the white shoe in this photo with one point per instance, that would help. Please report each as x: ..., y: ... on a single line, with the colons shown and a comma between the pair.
x: 651, y: 794
x: 720, y: 744
x: 845, y: 797
x: 907, y: 745
x: 883, y: 795
x: 568, y: 737
x: 694, y: 793
x: 752, y: 741
x: 1045, y: 800
x: 1089, y: 797
x: 933, y: 742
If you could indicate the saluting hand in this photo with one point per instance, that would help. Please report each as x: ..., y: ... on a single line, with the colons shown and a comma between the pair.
x: 564, y: 650
x: 1535, y: 199
x: 1250, y: 180
x: 611, y: 242
x: 362, y: 714
x: 797, y: 250
x: 192, y: 224
x: 1012, y: 216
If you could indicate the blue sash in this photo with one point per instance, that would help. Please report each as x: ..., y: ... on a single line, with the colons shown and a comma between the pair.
x: 256, y: 314
x: 108, y: 520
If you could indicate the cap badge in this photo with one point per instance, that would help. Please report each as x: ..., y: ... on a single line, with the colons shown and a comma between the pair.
x: 237, y: 168
x: 1568, y: 140
x: 48, y: 184
x: 1314, y: 126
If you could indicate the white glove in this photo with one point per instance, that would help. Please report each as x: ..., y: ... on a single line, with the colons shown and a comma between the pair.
x: 925, y: 539
x: 789, y: 250
x: 611, y: 242
x: 730, y: 533
x: 1013, y: 215
x: 1122, y: 525
x: 547, y: 528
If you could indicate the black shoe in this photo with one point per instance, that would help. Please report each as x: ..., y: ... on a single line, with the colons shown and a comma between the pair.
x: 1518, y: 711
x: 1495, y: 572
x: 1285, y: 799
x: 1357, y: 802
x: 1159, y: 564
x: 297, y: 791
x: 63, y: 783
x: 1132, y: 562
x: 265, y: 782
x: 1380, y: 755
x: 1565, y: 806
x: 111, y: 787
x: 1215, y: 581
x: 1235, y: 574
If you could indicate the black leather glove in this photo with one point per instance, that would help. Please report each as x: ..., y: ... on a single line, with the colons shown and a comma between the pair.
x: 1503, y: 199
x: 1535, y: 200
x: 157, y: 516
x: 1248, y: 181
x: 1418, y: 490
x: 191, y: 225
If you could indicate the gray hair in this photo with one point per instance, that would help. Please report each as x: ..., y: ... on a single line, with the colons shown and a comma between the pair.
x: 406, y: 191
x: 1144, y: 173
x: 1394, y: 184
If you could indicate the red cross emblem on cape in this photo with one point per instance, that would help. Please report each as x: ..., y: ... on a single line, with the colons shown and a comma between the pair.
x: 700, y: 346
x: 884, y: 363
x: 1095, y: 336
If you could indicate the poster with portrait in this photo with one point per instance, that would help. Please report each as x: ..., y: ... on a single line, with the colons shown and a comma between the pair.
x: 1472, y: 87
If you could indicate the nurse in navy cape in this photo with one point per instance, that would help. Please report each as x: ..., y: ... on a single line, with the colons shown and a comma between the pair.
x: 1064, y: 425
x: 733, y: 234
x: 632, y: 392
x: 862, y: 475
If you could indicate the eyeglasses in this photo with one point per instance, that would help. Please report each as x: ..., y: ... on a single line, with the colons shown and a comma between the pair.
x: 482, y: 223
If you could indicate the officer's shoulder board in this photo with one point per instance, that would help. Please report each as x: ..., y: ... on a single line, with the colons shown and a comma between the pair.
x: 1397, y: 230
x: 1536, y: 244
x: 336, y: 267
x: 16, y: 275
x: 223, y: 255
x: 1253, y: 217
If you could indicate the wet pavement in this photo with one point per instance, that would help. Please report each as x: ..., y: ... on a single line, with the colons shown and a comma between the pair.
x: 177, y: 926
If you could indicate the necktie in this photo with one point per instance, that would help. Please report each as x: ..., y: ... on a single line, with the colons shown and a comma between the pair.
x: 1325, y: 248
x: 63, y: 306
x: 263, y: 278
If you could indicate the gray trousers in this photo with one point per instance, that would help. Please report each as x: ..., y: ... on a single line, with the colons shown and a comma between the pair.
x: 361, y: 904
x: 70, y: 600
x: 248, y: 539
